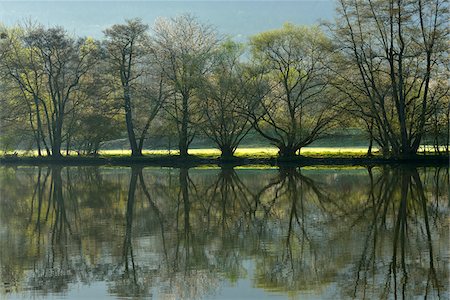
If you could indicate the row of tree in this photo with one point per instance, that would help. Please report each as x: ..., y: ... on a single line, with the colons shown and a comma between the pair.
x: 380, y: 66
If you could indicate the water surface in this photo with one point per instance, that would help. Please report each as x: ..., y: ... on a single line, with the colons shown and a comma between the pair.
x: 164, y: 233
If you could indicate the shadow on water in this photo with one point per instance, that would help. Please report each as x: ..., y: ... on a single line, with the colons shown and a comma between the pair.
x: 374, y: 233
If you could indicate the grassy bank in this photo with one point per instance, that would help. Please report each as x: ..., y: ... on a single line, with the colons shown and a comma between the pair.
x: 244, y: 156
x: 256, y: 152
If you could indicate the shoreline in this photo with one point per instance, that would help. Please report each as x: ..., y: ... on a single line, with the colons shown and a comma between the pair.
x: 195, y: 161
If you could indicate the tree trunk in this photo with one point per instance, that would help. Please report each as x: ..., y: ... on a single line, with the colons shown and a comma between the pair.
x: 68, y: 144
x: 129, y: 121
x: 286, y: 152
x: 57, y: 140
x: 183, y: 142
x: 385, y: 147
x: 369, y: 150
x: 226, y: 152
x: 56, y: 150
x: 39, y: 123
x: 38, y: 142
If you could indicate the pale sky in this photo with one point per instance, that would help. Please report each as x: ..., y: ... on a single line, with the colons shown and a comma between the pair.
x: 238, y: 19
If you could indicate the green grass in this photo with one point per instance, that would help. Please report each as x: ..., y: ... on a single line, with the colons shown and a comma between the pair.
x: 244, y: 152
x: 258, y: 152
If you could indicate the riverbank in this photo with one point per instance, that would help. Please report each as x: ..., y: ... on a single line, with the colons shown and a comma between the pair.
x: 196, y: 161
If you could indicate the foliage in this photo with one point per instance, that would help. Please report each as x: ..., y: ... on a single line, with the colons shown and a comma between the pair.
x: 297, y: 110
x: 381, y: 67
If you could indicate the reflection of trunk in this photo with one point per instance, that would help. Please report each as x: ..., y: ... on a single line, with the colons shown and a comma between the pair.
x: 184, y: 201
x: 155, y: 208
x: 422, y: 198
x: 291, y: 187
x: 61, y: 223
x: 293, y: 193
x: 297, y: 185
x: 226, y: 183
x: 400, y: 190
x: 127, y: 245
x: 400, y: 231
x: 41, y: 187
x: 184, y: 177
x: 232, y: 192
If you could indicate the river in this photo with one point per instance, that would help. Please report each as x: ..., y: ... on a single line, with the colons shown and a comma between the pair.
x: 244, y: 233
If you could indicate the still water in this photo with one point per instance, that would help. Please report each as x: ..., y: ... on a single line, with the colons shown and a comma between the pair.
x: 166, y: 233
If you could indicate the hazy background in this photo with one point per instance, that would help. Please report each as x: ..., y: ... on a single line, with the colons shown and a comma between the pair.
x: 238, y: 19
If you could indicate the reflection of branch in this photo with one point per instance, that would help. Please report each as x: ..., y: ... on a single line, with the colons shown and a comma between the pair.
x: 59, y: 205
x: 57, y: 264
x: 36, y: 188
x: 127, y: 244
x: 285, y: 186
x: 273, y: 183
x: 383, y: 198
x: 322, y: 196
x: 157, y: 211
x: 149, y: 198
x: 395, y: 188
x: 400, y: 228
x: 184, y: 193
x: 432, y: 272
x: 41, y: 189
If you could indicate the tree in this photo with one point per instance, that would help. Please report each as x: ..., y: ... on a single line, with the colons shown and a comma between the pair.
x: 184, y: 48
x: 23, y: 75
x: 224, y: 95
x: 296, y: 112
x: 439, y: 127
x: 141, y: 84
x: 47, y: 67
x: 97, y: 118
x: 393, y: 48
x: 13, y: 115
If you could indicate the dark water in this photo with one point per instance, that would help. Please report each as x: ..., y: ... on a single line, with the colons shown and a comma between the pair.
x: 321, y: 233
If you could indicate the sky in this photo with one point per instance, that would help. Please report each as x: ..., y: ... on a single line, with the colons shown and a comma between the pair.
x: 238, y: 19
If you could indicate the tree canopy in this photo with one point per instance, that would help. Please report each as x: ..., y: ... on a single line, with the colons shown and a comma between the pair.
x: 381, y: 68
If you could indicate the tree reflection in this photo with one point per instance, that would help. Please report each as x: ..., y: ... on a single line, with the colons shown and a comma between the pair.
x: 56, y: 268
x: 290, y: 202
x: 398, y: 208
x: 129, y: 282
x: 379, y: 233
x: 49, y: 248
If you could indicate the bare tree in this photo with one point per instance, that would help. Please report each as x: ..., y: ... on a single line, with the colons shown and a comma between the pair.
x: 296, y: 112
x: 184, y: 48
x: 224, y: 95
x: 47, y: 67
x: 141, y: 85
x: 24, y: 73
x: 393, y: 49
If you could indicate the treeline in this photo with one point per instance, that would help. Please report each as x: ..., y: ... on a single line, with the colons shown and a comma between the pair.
x: 381, y: 66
